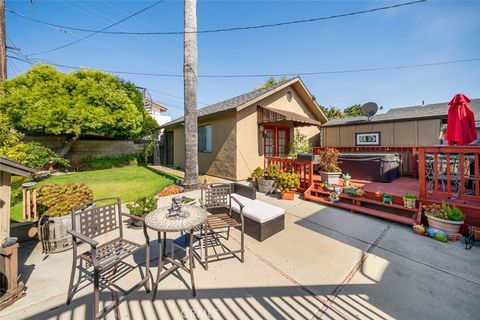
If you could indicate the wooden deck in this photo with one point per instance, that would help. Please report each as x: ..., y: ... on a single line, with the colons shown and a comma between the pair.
x: 434, y: 174
x: 396, y: 188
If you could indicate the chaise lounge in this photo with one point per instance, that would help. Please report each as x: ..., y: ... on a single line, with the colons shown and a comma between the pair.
x: 262, y: 220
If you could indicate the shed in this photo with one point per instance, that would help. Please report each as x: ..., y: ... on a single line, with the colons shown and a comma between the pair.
x: 408, y: 126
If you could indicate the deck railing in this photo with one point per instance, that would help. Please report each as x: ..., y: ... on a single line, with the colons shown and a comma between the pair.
x: 449, y: 172
x: 408, y: 155
x: 302, y: 167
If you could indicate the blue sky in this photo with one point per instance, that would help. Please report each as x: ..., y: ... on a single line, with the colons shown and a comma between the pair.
x: 433, y: 31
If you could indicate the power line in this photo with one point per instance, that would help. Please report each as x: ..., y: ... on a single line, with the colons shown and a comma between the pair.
x: 264, y: 75
x: 251, y: 27
x: 94, y: 32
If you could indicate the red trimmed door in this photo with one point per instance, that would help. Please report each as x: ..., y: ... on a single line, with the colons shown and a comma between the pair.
x: 275, y: 141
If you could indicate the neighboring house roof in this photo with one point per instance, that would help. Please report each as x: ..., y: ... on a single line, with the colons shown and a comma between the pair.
x: 156, y: 105
x: 244, y: 100
x: 437, y: 110
x: 15, y: 168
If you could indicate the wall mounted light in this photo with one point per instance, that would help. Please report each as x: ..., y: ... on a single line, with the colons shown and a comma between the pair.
x: 261, y: 128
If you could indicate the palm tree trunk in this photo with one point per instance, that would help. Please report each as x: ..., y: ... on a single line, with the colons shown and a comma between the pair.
x: 190, y: 62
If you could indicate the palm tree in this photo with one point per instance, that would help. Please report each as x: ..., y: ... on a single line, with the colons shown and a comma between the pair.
x: 190, y: 61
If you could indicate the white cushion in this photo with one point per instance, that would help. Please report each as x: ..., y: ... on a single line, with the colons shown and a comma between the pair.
x: 257, y: 210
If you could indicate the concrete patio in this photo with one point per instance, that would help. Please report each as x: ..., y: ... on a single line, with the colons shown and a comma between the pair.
x: 327, y: 263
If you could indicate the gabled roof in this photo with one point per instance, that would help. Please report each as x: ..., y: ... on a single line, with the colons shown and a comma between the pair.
x: 15, y: 168
x: 244, y: 100
x: 437, y: 110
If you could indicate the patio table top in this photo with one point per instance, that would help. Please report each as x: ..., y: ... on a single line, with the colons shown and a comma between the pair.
x: 160, y: 220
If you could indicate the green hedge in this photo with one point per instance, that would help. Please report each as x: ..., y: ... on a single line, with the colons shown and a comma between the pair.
x: 107, y: 162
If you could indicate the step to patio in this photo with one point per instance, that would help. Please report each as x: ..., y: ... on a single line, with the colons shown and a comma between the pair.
x: 322, y: 197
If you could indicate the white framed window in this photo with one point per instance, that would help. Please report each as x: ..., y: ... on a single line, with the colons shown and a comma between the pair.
x: 205, y: 138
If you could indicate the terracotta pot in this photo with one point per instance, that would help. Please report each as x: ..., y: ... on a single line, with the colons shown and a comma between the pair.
x: 287, y: 195
x: 451, y: 228
x: 330, y: 177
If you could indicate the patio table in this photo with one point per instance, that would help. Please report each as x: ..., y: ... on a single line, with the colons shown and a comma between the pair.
x: 160, y: 221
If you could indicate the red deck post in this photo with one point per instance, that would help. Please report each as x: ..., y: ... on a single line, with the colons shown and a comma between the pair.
x: 421, y: 174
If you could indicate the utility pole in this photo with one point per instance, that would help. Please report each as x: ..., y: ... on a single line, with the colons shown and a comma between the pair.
x: 3, y: 44
x: 190, y: 65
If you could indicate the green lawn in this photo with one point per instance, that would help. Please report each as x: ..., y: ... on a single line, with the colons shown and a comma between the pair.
x: 128, y: 183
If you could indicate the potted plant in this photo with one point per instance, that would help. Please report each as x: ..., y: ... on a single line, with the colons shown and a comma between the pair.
x: 409, y: 200
x: 256, y: 175
x: 300, y: 144
x: 55, y: 203
x: 288, y: 184
x: 444, y: 217
x: 140, y: 208
x: 267, y: 184
x: 328, y: 166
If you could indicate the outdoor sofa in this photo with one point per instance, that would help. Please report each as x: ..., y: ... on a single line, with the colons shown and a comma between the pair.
x: 262, y: 220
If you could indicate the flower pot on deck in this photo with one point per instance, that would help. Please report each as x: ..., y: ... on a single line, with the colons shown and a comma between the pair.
x: 136, y: 224
x: 287, y: 195
x: 451, y: 228
x: 267, y: 185
x: 410, y: 203
x: 330, y: 177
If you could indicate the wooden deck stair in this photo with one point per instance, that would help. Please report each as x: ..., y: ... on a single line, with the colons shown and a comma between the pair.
x: 356, y: 204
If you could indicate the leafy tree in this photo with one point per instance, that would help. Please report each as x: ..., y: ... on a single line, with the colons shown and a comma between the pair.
x: 353, y: 111
x: 50, y: 102
x: 272, y: 82
x: 31, y: 154
x: 332, y: 112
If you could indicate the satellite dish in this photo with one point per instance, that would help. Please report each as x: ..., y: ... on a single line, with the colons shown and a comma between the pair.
x: 369, y: 109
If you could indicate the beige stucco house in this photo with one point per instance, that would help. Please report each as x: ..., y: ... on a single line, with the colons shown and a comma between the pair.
x: 236, y: 134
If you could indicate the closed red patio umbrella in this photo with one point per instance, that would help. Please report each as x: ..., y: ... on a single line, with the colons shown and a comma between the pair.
x: 461, y: 122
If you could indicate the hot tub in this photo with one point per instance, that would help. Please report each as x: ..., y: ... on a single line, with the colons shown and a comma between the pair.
x: 378, y: 167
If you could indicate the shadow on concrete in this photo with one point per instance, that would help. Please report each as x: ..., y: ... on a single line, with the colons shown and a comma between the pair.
x: 25, y: 250
x: 402, y: 286
x: 278, y: 302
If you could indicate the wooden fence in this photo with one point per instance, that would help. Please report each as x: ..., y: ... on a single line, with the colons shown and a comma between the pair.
x: 302, y: 167
x: 449, y: 172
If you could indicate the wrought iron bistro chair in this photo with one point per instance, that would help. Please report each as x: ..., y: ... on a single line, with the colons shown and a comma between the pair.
x: 217, y: 199
x: 103, y: 263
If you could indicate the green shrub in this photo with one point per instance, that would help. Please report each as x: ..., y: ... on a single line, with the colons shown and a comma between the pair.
x: 142, y: 206
x: 444, y: 211
x: 107, y: 162
x: 257, y: 173
x: 328, y: 160
x: 288, y: 181
x: 299, y: 144
x: 16, y: 191
x: 272, y: 171
x: 410, y: 196
x: 145, y: 156
x: 56, y: 200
